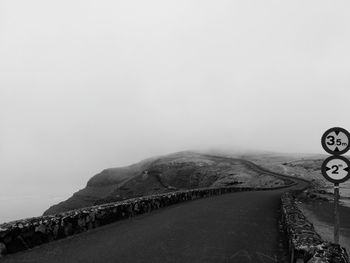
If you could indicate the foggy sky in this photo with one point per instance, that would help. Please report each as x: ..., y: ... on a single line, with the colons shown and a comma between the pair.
x: 86, y: 85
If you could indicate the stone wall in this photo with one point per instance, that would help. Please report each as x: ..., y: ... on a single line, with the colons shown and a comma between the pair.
x: 305, y: 245
x: 27, y: 233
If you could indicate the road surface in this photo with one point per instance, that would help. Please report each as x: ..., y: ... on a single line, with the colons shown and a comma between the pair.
x: 238, y: 227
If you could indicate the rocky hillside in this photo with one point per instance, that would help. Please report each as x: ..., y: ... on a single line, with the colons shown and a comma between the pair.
x: 183, y: 170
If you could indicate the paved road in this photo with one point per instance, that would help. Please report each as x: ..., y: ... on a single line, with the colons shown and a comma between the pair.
x: 239, y: 227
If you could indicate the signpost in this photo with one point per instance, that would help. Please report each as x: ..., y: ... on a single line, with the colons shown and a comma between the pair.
x: 335, y: 141
x: 335, y: 169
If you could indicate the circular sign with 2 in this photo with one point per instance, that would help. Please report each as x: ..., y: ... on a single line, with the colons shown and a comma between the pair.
x: 336, y: 169
x: 336, y: 141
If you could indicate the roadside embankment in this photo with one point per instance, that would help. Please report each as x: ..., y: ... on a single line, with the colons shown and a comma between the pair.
x: 305, y: 244
x: 321, y: 215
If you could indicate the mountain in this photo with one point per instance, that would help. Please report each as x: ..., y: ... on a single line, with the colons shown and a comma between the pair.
x: 183, y: 170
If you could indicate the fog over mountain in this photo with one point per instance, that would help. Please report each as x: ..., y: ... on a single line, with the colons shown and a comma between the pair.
x: 89, y: 85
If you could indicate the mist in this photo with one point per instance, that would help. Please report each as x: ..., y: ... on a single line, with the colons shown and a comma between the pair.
x: 87, y: 85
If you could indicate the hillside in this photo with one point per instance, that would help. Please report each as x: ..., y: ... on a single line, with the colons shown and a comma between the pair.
x: 304, y: 166
x: 182, y: 170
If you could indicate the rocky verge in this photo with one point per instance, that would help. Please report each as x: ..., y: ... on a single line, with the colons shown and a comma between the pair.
x: 305, y: 245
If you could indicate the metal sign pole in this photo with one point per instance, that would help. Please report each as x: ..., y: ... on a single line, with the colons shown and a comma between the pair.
x: 336, y: 213
x: 336, y: 168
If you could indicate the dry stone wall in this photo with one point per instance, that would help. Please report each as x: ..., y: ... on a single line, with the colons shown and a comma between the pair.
x: 305, y: 245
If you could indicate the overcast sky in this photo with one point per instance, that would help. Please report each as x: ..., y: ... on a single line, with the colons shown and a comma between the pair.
x: 86, y: 85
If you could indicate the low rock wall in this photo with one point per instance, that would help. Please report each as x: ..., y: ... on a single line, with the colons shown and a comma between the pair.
x: 27, y: 233
x: 305, y: 245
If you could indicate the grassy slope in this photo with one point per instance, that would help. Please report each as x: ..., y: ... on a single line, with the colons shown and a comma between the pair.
x: 99, y: 186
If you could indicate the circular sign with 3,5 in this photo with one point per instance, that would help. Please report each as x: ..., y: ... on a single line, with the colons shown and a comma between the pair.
x: 336, y: 141
x: 336, y: 169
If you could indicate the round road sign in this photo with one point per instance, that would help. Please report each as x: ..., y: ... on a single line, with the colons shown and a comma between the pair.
x: 336, y: 169
x: 336, y: 141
